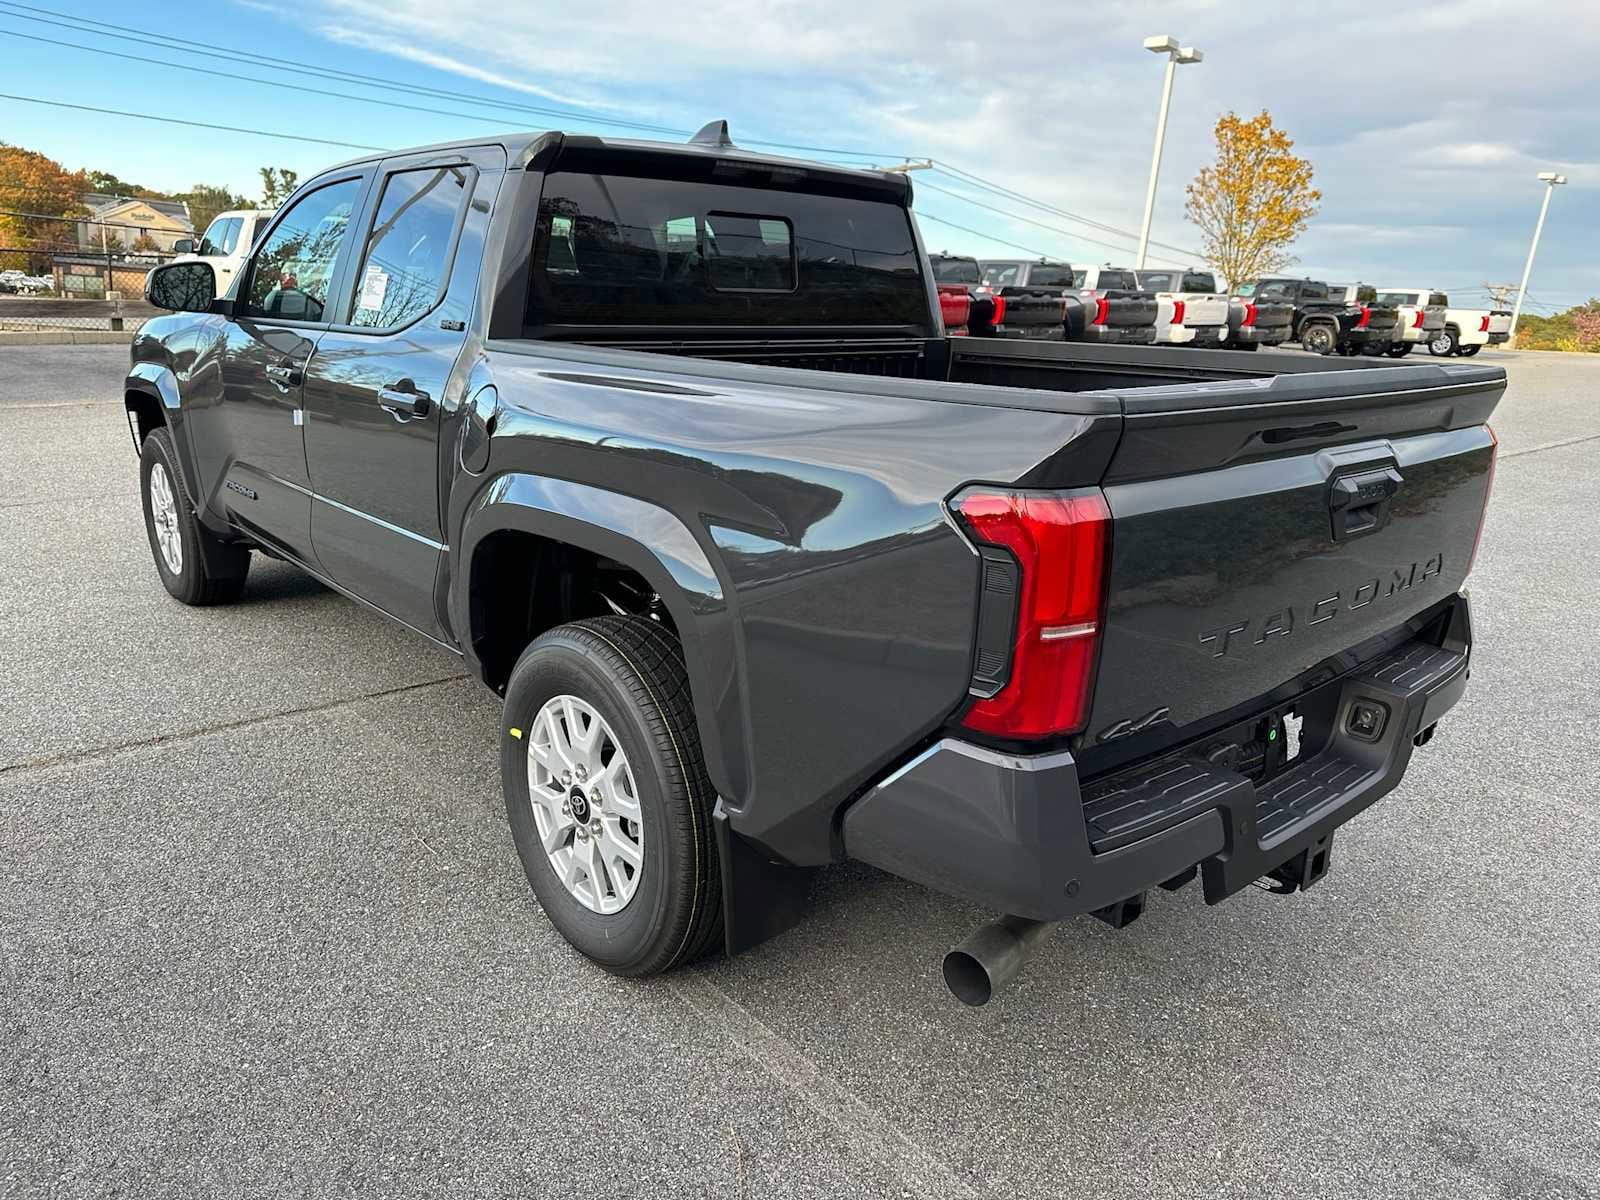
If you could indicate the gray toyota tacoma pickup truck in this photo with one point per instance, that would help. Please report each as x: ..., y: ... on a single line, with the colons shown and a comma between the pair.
x: 667, y: 444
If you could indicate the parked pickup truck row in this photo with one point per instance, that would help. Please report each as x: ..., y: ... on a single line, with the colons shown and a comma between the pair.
x: 669, y: 445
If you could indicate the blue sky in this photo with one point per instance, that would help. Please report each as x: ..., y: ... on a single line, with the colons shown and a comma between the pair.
x: 1426, y: 133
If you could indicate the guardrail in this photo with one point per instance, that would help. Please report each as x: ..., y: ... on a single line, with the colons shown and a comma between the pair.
x: 37, y: 312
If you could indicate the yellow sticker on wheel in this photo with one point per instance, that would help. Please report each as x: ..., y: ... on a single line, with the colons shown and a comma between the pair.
x: 515, y: 732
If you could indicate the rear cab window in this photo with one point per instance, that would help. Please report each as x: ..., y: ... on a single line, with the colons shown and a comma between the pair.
x: 1003, y: 274
x: 619, y: 250
x: 406, y: 262
x: 1050, y: 275
x: 956, y: 270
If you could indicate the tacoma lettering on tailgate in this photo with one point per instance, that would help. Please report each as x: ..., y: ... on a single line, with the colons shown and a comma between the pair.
x: 1281, y: 623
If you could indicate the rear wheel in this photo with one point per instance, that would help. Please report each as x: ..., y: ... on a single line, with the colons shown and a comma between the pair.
x: 195, y: 565
x: 1444, y: 343
x: 1399, y: 349
x: 607, y: 794
x: 1317, y: 339
x: 1469, y: 351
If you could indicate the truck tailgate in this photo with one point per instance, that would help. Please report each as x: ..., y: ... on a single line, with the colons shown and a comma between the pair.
x: 1262, y: 527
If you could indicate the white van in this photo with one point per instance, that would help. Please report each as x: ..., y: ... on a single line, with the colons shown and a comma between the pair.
x: 226, y: 243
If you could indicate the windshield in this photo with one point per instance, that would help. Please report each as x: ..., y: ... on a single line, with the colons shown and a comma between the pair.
x: 955, y: 270
x: 221, y: 236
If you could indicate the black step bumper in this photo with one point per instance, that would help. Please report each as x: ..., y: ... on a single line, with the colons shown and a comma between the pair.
x: 1022, y: 834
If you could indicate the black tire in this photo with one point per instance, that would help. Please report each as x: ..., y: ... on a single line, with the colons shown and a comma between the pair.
x: 1399, y: 349
x: 1444, y: 344
x: 630, y: 670
x: 1318, y: 338
x: 1469, y: 351
x: 209, y: 570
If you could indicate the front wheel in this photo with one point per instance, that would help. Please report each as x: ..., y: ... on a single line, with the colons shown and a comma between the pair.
x: 195, y: 565
x: 1469, y: 351
x: 607, y: 794
x: 1317, y: 339
x: 1399, y: 349
x: 1444, y: 344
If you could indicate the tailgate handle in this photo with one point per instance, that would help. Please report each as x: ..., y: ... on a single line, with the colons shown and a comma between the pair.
x: 1359, y: 503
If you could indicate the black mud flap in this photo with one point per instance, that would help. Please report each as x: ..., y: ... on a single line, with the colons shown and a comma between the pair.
x: 760, y: 898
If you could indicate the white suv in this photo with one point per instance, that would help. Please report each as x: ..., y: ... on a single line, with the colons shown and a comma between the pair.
x: 226, y: 243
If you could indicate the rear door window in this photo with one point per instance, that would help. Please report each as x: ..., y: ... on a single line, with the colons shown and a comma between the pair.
x: 406, y: 262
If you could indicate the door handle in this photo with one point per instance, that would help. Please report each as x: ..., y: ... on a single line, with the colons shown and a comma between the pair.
x: 285, y: 375
x: 404, y: 400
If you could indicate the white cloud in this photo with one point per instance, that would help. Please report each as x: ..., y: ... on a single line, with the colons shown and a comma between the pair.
x: 1424, y: 137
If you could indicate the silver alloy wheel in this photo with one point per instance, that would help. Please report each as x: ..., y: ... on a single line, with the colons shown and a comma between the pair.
x: 1440, y: 344
x: 164, y: 516
x: 585, y: 804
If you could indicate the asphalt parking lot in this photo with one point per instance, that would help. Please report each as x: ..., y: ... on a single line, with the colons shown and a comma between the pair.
x: 262, y: 929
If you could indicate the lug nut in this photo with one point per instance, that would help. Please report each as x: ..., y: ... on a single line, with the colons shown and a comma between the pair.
x: 595, y: 798
x: 594, y: 827
x: 566, y: 777
x: 583, y: 833
x: 583, y: 772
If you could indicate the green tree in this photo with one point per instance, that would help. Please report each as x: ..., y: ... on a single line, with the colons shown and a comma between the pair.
x: 108, y: 184
x: 277, y: 185
x: 205, y: 201
x: 1254, y: 201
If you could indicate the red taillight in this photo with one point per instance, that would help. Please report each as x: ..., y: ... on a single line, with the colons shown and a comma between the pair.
x: 1249, y: 315
x: 1484, y: 327
x: 955, y: 308
x: 1177, y: 312
x: 1366, y: 315
x: 1417, y: 324
x: 1488, y: 489
x: 998, y: 316
x: 1102, y: 310
x: 1059, y: 540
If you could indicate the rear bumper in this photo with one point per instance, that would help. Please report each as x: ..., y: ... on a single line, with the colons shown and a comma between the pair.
x: 1259, y: 335
x: 1497, y: 339
x: 1371, y: 336
x: 1121, y: 335
x: 1024, y: 835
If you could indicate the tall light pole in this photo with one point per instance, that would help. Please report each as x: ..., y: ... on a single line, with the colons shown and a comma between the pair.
x: 1551, y: 181
x: 1175, y: 55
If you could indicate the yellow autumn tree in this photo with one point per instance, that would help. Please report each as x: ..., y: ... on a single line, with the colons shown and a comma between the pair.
x: 1254, y: 201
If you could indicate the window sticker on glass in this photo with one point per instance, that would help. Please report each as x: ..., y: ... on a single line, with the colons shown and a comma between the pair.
x: 374, y: 285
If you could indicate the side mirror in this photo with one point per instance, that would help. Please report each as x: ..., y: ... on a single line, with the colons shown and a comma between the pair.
x: 182, y: 287
x: 183, y: 246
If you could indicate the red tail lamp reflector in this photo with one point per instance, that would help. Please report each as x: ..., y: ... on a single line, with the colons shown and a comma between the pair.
x: 1488, y: 490
x: 998, y: 316
x: 1177, y: 312
x: 1102, y: 310
x: 1484, y: 326
x: 1060, y: 542
x: 1417, y: 324
x: 1249, y: 315
x: 1366, y: 315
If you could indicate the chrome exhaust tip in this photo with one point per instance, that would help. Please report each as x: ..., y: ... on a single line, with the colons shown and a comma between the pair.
x: 991, y: 958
